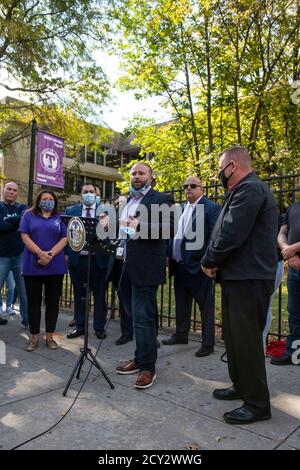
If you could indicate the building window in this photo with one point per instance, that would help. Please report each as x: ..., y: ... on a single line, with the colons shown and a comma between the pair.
x: 99, y: 157
x: 113, y: 158
x: 109, y: 189
x: 90, y: 156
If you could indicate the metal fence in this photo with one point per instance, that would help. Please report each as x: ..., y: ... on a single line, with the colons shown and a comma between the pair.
x: 284, y: 189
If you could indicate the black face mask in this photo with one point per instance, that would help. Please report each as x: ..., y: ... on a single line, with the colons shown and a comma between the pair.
x: 223, y: 178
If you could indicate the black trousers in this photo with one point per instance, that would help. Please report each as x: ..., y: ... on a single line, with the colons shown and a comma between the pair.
x: 188, y: 287
x: 98, y: 286
x: 244, y: 310
x: 34, y: 290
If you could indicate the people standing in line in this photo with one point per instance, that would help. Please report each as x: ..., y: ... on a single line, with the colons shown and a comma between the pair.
x: 145, y: 263
x: 78, y: 264
x: 11, y: 245
x: 289, y: 243
x: 185, y: 264
x: 243, y: 252
x: 44, y: 235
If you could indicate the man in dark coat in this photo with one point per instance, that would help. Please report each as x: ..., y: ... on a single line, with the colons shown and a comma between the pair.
x: 243, y: 252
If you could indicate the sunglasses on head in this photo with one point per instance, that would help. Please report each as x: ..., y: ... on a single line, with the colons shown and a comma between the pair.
x: 192, y: 186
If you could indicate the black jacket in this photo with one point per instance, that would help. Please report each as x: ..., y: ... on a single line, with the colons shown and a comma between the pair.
x: 146, y: 258
x: 192, y: 258
x: 244, y: 240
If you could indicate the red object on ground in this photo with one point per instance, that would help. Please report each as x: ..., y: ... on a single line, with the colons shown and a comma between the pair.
x: 276, y: 348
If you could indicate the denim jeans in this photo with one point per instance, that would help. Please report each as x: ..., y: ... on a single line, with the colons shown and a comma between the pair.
x: 278, y: 281
x: 10, y: 290
x: 144, y: 311
x: 14, y: 264
x: 293, y: 285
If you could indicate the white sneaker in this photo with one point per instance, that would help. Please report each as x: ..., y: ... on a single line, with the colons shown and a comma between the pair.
x: 10, y: 311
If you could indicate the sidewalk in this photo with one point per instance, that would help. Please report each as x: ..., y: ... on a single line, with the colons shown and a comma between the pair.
x: 177, y: 411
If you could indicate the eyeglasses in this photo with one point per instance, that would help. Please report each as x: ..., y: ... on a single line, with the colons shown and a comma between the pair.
x: 192, y: 186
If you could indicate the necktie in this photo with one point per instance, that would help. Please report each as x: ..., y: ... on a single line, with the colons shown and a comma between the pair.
x: 88, y: 212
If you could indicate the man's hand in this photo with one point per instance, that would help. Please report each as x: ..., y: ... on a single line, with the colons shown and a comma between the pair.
x: 133, y: 222
x: 104, y: 221
x: 210, y: 272
x: 294, y: 262
x: 288, y: 251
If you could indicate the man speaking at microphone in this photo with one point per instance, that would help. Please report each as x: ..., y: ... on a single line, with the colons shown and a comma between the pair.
x: 145, y: 261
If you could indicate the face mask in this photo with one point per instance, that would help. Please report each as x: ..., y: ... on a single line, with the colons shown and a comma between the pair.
x: 47, y: 206
x: 127, y: 232
x: 88, y: 198
x: 98, y: 199
x: 223, y: 178
x: 138, y: 192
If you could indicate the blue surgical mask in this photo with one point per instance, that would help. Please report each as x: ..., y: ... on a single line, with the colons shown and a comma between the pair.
x: 98, y: 199
x: 89, y: 198
x: 138, y: 192
x: 47, y: 205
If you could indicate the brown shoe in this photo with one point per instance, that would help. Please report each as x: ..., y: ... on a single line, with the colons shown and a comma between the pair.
x: 32, y: 346
x: 72, y: 322
x: 127, y: 367
x: 51, y: 344
x: 145, y: 379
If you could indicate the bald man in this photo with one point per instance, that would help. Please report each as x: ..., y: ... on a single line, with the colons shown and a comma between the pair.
x: 243, y: 252
x: 146, y: 268
x: 185, y: 264
x: 11, y: 245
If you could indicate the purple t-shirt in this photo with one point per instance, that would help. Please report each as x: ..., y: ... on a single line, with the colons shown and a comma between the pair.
x: 45, y: 233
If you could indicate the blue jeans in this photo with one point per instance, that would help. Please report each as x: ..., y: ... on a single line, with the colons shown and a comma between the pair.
x: 14, y: 264
x: 10, y: 290
x: 293, y: 285
x: 278, y: 281
x: 144, y: 311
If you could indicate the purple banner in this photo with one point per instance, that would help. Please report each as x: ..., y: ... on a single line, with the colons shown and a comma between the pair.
x: 49, y: 160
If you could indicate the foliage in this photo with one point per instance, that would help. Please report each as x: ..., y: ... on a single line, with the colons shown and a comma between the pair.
x: 225, y: 68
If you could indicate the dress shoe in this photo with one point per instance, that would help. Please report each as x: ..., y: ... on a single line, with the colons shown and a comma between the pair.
x: 100, y: 334
x: 51, y: 344
x: 244, y: 416
x: 3, y: 321
x: 127, y: 367
x: 145, y: 379
x: 75, y: 333
x: 227, y: 393
x: 72, y: 322
x: 284, y: 360
x: 123, y: 340
x: 204, y: 351
x: 174, y: 340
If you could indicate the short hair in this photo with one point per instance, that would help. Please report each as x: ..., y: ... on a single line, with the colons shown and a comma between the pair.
x: 145, y: 164
x: 238, y: 153
x: 87, y: 184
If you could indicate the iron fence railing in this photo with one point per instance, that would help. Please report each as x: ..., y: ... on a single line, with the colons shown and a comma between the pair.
x: 284, y: 189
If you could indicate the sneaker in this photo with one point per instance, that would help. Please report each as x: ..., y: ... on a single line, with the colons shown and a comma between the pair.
x: 284, y: 360
x: 127, y: 367
x: 145, y: 379
x: 10, y: 311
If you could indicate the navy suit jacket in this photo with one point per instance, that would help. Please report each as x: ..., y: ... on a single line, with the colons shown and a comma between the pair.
x: 74, y: 256
x: 146, y: 258
x: 192, y: 258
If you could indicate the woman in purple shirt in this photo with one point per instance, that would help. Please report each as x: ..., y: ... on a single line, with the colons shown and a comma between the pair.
x: 44, y: 235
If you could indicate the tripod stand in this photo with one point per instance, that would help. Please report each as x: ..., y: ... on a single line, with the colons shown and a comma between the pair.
x: 85, y: 352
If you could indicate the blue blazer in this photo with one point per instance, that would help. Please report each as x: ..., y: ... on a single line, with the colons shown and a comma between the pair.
x: 192, y: 258
x: 74, y: 256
